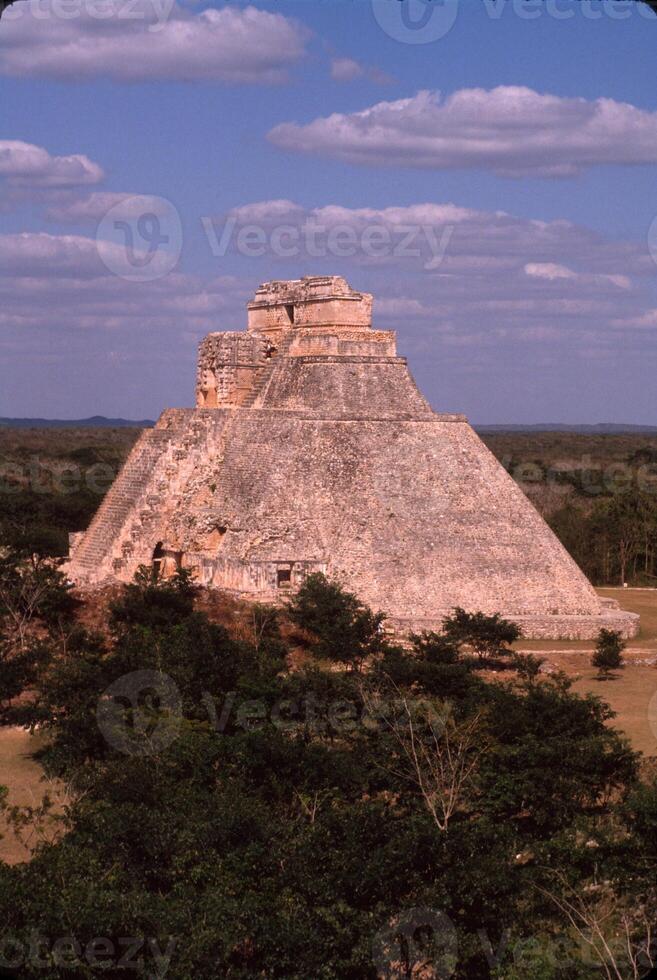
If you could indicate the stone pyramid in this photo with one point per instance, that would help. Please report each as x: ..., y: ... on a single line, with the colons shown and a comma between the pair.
x: 311, y: 449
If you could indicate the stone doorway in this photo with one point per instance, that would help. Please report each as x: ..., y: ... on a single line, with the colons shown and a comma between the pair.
x: 157, y: 560
x: 165, y: 561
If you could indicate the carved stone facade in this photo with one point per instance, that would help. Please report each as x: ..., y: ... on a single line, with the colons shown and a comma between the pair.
x: 316, y: 302
x: 228, y: 367
x: 311, y: 449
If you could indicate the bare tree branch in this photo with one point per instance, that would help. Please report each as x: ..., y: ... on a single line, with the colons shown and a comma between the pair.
x: 439, y: 760
x: 630, y: 956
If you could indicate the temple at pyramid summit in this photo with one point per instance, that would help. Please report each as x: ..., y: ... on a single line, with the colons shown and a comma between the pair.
x: 311, y: 449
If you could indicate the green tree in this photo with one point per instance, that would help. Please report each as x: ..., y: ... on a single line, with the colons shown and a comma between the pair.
x: 435, y: 667
x: 608, y: 653
x: 488, y: 636
x: 342, y: 628
x: 36, y: 605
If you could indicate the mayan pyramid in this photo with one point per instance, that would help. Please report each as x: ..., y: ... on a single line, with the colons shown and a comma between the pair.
x: 311, y: 449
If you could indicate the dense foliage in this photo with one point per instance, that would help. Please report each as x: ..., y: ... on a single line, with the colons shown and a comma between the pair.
x: 340, y: 627
x: 52, y: 482
x: 239, y: 818
x: 489, y: 637
x: 615, y: 539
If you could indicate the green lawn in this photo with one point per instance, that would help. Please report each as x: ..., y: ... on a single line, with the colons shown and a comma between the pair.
x: 644, y: 602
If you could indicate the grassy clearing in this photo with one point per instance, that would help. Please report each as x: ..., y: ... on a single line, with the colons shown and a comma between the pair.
x: 632, y: 694
x: 643, y: 602
x: 631, y: 691
x: 23, y: 775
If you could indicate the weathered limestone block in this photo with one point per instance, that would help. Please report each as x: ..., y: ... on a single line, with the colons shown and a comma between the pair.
x: 228, y: 367
x: 315, y: 302
x: 313, y: 450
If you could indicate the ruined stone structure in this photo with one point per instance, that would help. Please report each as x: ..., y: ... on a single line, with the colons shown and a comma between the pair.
x: 311, y: 449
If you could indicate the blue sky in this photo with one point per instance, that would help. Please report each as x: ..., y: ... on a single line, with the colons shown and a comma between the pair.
x: 521, y: 141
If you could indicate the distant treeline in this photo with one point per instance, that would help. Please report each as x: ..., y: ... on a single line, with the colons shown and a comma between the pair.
x: 614, y: 543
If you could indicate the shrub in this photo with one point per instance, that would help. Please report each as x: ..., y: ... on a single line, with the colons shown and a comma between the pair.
x: 488, y: 636
x: 608, y: 653
x: 344, y: 630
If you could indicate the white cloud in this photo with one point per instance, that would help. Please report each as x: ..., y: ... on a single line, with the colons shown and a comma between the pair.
x: 478, y: 315
x: 348, y: 70
x: 459, y: 277
x: 30, y: 254
x: 511, y: 130
x: 133, y: 42
x: 280, y: 211
x: 646, y: 320
x: 502, y: 280
x: 59, y: 282
x: 402, y: 306
x: 38, y: 255
x: 470, y: 242
x: 267, y: 212
x: 27, y: 165
x: 90, y: 209
x: 623, y: 282
x: 549, y: 270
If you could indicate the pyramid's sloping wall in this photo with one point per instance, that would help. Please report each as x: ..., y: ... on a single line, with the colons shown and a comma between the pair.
x: 313, y: 449
x: 333, y: 387
x: 341, y: 465
x: 417, y: 516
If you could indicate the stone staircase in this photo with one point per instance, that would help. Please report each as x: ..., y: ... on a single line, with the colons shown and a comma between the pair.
x: 179, y: 458
x: 162, y: 460
x: 265, y: 373
x: 121, y: 500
